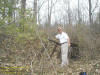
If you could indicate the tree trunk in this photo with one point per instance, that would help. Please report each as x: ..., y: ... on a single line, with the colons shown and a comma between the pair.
x: 35, y: 10
x: 69, y: 13
x: 79, y: 16
x: 48, y: 13
x: 90, y: 12
x: 23, y: 6
x: 99, y: 15
x: 50, y: 7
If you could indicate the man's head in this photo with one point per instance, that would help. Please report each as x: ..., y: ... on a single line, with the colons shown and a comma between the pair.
x: 59, y: 30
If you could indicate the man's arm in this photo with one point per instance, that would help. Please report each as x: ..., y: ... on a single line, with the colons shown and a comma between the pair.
x: 68, y: 41
x: 54, y: 41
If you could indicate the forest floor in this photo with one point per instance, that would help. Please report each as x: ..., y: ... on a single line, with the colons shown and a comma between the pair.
x: 91, y: 67
x: 46, y: 66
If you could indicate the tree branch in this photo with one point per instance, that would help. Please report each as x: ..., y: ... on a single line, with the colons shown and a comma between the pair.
x: 96, y: 5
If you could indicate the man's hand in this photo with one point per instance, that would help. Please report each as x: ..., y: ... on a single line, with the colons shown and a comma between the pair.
x: 69, y: 44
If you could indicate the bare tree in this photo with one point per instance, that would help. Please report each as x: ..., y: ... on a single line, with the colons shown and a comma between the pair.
x: 39, y: 6
x: 96, y: 5
x: 50, y: 7
x: 68, y: 11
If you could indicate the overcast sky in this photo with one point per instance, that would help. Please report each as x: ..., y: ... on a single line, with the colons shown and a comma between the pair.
x: 59, y: 8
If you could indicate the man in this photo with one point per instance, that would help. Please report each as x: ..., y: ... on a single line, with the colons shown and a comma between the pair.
x: 65, y: 43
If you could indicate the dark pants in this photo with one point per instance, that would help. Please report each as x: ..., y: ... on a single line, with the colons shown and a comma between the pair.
x: 82, y: 73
